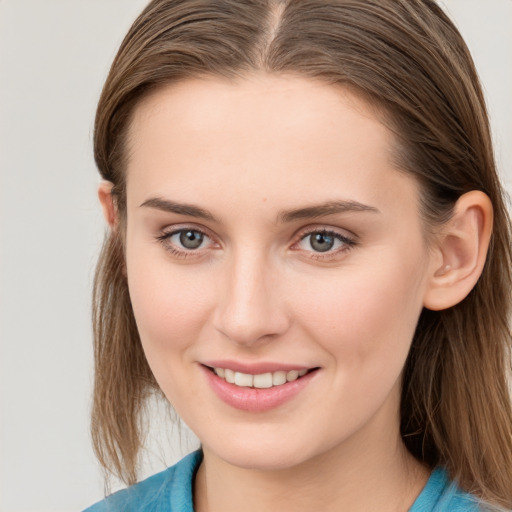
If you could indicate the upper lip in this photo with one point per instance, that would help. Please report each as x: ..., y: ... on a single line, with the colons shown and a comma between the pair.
x: 255, y: 368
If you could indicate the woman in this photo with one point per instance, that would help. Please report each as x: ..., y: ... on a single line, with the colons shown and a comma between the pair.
x: 309, y: 257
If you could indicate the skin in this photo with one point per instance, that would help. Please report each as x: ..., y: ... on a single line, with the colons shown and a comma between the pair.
x: 257, y: 291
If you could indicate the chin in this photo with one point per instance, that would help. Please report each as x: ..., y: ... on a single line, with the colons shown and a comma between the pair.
x: 263, y: 460
x: 265, y: 456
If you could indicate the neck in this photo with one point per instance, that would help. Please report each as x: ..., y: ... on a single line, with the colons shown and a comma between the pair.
x: 360, y: 475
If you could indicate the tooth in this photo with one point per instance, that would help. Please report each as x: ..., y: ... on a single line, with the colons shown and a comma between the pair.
x: 243, y: 379
x: 292, y: 375
x: 278, y: 378
x: 263, y: 380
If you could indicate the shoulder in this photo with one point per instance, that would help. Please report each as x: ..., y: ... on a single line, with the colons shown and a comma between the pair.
x: 443, y: 495
x: 169, y: 490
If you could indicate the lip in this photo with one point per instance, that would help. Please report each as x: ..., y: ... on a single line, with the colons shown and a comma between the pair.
x: 253, y: 399
x: 253, y: 368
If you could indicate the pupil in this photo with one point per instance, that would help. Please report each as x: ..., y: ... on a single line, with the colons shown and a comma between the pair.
x: 321, y: 242
x: 191, y: 239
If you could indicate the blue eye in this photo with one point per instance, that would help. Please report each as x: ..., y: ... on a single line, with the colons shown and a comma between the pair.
x: 184, y: 242
x: 188, y: 238
x: 321, y: 242
x: 325, y: 241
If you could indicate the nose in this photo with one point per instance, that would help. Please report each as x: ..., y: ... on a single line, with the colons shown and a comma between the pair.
x: 251, y: 308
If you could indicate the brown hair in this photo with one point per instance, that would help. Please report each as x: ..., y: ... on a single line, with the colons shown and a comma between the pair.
x: 406, y: 57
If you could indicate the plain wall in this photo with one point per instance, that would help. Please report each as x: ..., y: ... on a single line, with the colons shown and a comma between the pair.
x: 54, y: 56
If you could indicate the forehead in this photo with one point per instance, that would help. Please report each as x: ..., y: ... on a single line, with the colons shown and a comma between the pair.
x: 279, y: 136
x: 270, y: 105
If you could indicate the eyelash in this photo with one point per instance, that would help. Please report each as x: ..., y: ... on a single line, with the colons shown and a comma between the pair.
x: 347, y: 243
x: 164, y: 239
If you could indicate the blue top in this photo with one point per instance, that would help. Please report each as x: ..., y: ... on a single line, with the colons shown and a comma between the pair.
x: 171, y: 491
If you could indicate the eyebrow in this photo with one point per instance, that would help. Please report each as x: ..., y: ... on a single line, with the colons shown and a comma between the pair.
x: 180, y: 208
x: 309, y: 212
x: 324, y: 209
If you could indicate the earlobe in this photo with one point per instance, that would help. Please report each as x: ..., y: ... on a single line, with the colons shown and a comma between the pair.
x: 460, y: 251
x: 107, y: 203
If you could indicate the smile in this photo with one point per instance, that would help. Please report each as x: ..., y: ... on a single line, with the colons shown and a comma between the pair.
x: 261, y: 380
x: 257, y: 392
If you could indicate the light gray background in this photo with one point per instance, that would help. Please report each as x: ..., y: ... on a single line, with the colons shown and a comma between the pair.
x: 54, y: 56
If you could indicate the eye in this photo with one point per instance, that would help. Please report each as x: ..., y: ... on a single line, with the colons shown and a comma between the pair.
x: 185, y: 242
x: 321, y: 242
x: 325, y: 241
x: 188, y: 238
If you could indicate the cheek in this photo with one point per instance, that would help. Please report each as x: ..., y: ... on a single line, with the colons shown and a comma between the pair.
x: 366, y: 315
x: 170, y: 303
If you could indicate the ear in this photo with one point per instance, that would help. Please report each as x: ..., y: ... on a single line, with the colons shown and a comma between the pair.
x: 460, y: 252
x: 107, y: 203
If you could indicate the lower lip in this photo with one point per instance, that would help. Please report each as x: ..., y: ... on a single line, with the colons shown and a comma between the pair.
x: 255, y: 399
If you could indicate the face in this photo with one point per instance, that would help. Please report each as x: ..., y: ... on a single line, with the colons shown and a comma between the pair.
x: 270, y: 241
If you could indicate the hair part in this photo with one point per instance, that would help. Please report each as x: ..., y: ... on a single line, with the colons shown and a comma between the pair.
x: 407, y: 58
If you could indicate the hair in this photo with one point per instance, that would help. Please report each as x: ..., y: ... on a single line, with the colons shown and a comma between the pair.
x: 407, y: 58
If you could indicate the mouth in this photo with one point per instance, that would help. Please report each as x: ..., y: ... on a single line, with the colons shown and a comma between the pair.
x: 261, y: 380
x: 261, y: 387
